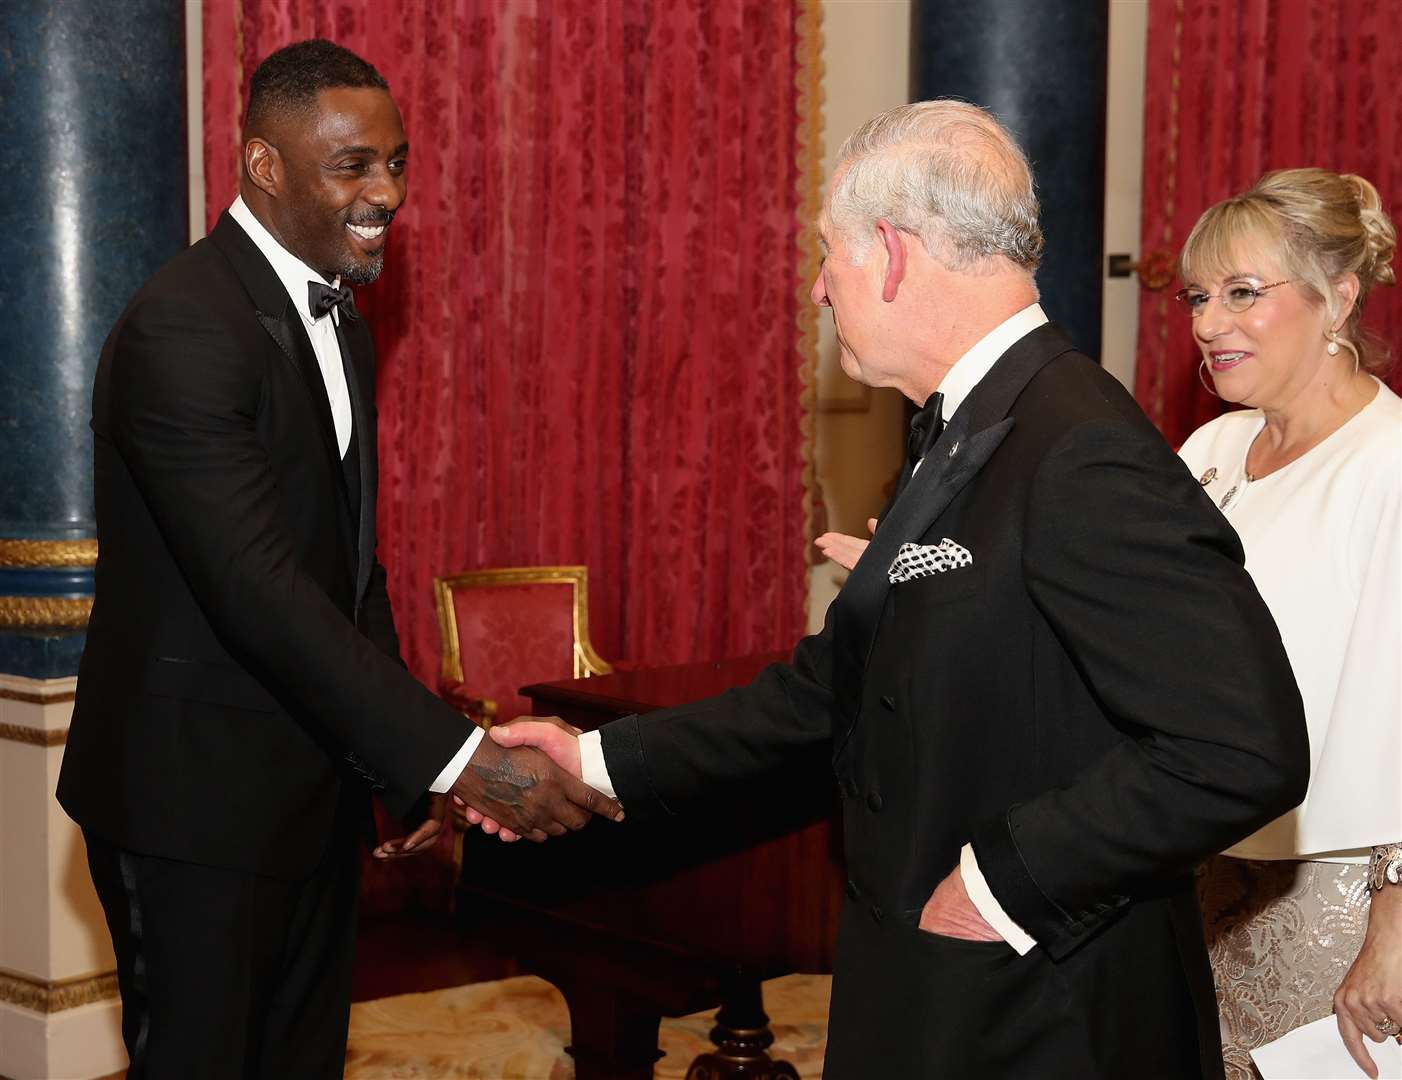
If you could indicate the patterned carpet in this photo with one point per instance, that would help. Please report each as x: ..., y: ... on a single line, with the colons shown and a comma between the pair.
x: 516, y: 1029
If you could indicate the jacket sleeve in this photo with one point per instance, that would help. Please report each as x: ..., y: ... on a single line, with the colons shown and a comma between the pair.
x: 1141, y: 580
x: 184, y: 401
x: 378, y: 616
x: 665, y: 759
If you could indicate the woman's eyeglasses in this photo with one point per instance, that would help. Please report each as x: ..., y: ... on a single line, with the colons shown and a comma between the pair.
x: 1235, y: 298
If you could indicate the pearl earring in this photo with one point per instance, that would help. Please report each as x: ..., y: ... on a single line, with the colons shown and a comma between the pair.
x: 1332, y: 348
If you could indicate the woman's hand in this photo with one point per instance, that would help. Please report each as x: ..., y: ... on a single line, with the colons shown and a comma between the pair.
x: 1372, y: 989
x: 843, y: 549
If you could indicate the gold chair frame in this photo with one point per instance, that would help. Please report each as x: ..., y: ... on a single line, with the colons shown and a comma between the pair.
x: 586, y: 661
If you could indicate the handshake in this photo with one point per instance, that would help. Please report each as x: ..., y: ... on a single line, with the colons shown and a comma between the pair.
x: 522, y: 780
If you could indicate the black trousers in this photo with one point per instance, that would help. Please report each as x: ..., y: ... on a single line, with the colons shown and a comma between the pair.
x: 225, y: 974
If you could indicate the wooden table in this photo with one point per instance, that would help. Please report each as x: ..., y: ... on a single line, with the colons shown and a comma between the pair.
x: 638, y: 921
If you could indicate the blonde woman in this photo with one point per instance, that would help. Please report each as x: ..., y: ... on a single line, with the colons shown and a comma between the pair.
x: 1306, y: 914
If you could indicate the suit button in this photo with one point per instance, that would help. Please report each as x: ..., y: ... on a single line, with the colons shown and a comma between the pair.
x: 874, y: 802
x: 876, y: 913
x: 849, y: 786
x: 889, y: 702
x: 852, y: 891
x: 1078, y: 929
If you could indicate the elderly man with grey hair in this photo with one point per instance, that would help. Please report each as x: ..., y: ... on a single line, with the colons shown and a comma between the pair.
x: 1049, y: 687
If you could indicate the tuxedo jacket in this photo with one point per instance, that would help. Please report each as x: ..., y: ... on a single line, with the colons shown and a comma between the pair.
x: 1097, y: 701
x: 241, y: 689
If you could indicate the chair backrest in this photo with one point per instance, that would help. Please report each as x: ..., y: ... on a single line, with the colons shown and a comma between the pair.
x: 504, y: 629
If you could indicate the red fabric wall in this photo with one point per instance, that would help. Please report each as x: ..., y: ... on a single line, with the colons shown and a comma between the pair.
x: 1233, y: 89
x: 588, y: 324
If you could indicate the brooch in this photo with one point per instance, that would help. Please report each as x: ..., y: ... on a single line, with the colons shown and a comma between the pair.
x: 1209, y: 476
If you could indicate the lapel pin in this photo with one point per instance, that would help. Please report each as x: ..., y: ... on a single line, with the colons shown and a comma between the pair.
x: 954, y: 449
x: 1209, y: 476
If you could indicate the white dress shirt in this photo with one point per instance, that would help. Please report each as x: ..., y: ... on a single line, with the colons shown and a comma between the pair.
x: 968, y: 371
x: 295, y: 276
x: 1323, y: 541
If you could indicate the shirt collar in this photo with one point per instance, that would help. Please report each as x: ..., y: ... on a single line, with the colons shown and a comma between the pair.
x: 291, y: 271
x: 968, y: 371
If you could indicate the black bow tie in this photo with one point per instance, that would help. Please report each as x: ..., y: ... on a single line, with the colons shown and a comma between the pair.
x: 322, y: 298
x: 925, y: 428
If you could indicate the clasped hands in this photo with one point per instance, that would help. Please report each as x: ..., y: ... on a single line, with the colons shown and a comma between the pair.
x: 948, y: 912
x: 517, y: 784
x: 547, y: 735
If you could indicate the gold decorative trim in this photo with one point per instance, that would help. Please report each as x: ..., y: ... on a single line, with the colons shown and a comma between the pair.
x: 1157, y: 404
x: 30, y: 697
x: 808, y: 151
x: 50, y: 997
x: 33, y: 736
x: 58, y: 612
x: 586, y: 661
x: 35, y: 553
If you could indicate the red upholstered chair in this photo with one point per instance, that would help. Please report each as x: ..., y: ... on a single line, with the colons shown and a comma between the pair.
x: 504, y: 629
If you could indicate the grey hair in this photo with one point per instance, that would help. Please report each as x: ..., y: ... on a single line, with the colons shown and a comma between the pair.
x: 945, y: 171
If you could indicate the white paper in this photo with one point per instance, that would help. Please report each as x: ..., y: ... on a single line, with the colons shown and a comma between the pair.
x: 1315, y: 1052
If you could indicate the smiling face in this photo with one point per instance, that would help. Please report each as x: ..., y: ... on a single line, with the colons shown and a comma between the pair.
x: 334, y: 180
x: 1266, y: 355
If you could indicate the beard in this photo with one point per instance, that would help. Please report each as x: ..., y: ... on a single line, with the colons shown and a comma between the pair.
x: 355, y: 266
x: 361, y: 273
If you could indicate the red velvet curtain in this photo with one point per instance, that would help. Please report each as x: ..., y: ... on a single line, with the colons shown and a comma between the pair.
x: 1233, y: 89
x: 589, y: 326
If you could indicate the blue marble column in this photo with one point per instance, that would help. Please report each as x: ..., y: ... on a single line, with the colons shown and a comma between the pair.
x: 1040, y: 67
x: 92, y: 146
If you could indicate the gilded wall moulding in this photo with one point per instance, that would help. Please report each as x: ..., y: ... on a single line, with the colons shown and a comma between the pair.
x: 51, y: 997
x: 32, y: 553
x: 33, y: 736
x: 59, y: 612
x: 37, y: 697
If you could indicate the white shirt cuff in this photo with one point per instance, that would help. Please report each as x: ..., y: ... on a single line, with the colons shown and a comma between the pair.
x: 992, y: 911
x: 592, y: 769
x: 458, y: 764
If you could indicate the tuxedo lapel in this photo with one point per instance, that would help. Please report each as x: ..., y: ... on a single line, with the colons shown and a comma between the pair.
x: 970, y: 439
x: 358, y: 353
x: 279, y: 318
x: 951, y: 463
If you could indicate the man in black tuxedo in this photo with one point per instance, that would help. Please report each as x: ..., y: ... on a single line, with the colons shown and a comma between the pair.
x: 241, y: 691
x: 1049, y: 686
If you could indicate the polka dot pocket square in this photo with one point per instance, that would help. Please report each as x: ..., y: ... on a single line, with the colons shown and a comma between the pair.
x: 921, y: 560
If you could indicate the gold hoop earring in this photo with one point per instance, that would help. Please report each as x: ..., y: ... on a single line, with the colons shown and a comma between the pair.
x: 1202, y: 378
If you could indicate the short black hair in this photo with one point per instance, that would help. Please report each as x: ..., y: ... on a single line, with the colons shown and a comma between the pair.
x: 288, y: 81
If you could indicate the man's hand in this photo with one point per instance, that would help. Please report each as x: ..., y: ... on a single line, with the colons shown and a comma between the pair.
x: 421, y: 839
x: 843, y: 549
x: 549, y: 734
x: 1372, y: 989
x: 951, y: 913
x: 522, y: 792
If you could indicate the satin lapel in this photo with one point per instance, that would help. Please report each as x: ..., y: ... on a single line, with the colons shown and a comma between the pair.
x: 287, y: 330
x: 279, y: 318
x: 358, y: 351
x: 951, y: 463
x: 967, y: 443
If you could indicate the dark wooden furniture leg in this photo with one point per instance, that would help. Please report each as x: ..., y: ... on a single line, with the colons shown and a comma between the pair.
x: 742, y: 1039
x: 612, y: 1036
